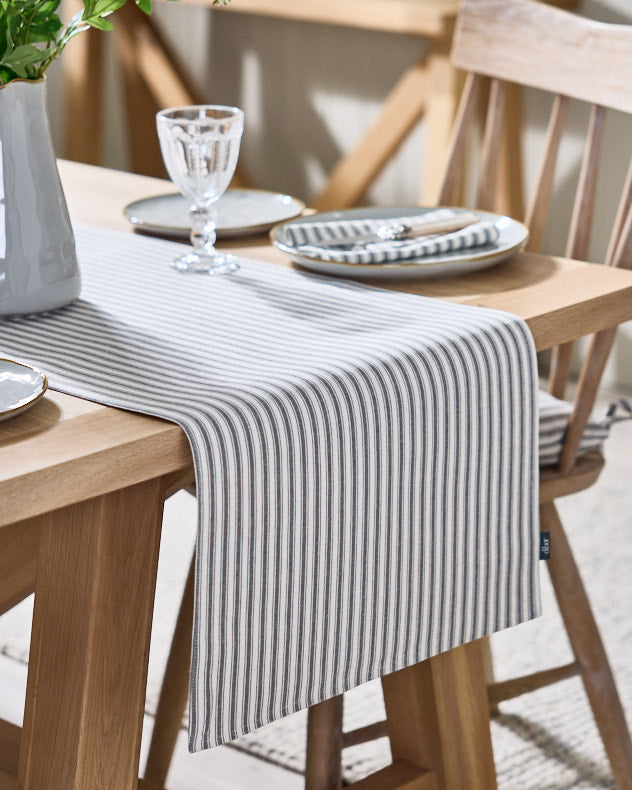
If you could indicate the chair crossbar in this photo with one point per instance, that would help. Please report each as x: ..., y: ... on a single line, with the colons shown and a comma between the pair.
x: 363, y: 734
x: 516, y: 687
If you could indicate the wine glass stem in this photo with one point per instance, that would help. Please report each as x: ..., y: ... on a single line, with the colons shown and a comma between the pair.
x: 203, y: 229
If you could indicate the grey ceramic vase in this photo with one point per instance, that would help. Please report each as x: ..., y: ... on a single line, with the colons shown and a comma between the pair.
x: 38, y: 265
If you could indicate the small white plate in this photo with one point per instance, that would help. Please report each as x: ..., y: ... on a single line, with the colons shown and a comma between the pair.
x: 240, y: 212
x: 512, y: 236
x: 20, y: 387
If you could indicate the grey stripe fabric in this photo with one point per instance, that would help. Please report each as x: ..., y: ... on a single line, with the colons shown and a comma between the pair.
x: 314, y: 238
x: 365, y: 462
x: 554, y: 415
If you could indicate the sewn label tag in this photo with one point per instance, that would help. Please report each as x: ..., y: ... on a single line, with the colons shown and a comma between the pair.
x: 545, y: 545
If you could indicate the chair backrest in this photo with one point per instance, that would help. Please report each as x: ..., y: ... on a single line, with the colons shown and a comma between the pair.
x: 500, y: 43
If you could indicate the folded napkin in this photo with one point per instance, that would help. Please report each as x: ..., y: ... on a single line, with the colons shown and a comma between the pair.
x: 315, y: 238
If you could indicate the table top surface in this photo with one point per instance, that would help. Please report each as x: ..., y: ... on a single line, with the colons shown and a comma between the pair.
x: 93, y: 449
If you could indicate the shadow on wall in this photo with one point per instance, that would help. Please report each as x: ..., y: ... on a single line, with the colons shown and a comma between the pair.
x: 309, y: 91
x: 617, y: 12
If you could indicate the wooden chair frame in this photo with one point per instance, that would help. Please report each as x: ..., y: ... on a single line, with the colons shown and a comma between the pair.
x: 497, y: 42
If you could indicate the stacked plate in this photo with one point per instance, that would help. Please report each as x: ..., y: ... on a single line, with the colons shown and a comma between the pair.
x: 352, y: 243
x: 240, y: 212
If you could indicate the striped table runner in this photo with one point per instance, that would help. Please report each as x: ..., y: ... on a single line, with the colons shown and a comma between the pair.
x: 365, y: 464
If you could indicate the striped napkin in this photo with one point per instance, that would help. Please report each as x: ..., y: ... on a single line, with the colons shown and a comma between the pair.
x: 314, y: 238
x: 365, y: 463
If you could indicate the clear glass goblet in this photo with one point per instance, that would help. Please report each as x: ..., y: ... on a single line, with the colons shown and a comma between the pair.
x: 200, y: 146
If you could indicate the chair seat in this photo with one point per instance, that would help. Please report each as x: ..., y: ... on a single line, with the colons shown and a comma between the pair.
x: 554, y: 415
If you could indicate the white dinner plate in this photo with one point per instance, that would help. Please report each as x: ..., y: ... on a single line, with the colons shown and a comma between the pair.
x: 240, y: 212
x: 20, y: 387
x: 512, y: 236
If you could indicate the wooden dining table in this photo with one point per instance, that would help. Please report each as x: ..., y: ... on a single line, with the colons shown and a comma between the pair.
x: 87, y: 483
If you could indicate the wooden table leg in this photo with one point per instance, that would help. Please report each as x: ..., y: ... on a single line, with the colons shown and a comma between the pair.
x: 90, y: 642
x: 438, y: 718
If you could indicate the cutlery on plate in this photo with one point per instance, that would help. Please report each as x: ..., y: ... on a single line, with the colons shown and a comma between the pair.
x: 400, y: 231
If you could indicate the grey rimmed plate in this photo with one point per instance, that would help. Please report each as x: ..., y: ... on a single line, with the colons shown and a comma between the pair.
x: 512, y: 236
x: 20, y: 387
x: 240, y: 212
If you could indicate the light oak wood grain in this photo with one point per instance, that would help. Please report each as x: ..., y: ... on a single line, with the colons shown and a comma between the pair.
x: 438, y: 718
x: 540, y: 203
x: 90, y: 641
x: 19, y: 544
x: 492, y: 144
x: 412, y: 17
x: 85, y: 455
x: 528, y: 42
x: 401, y: 775
x: 10, y: 737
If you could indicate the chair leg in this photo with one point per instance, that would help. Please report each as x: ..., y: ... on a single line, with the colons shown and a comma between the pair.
x: 488, y: 668
x: 589, y: 650
x: 323, y: 764
x: 19, y: 546
x: 174, y: 693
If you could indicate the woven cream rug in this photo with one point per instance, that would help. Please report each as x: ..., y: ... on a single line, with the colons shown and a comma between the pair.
x: 543, y: 741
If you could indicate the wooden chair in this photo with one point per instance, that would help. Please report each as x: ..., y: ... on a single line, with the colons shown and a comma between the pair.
x: 502, y: 43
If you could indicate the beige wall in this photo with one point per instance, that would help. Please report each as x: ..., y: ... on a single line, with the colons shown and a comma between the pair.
x: 310, y: 90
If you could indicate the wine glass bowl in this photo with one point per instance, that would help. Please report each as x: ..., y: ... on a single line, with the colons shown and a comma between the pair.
x: 200, y: 147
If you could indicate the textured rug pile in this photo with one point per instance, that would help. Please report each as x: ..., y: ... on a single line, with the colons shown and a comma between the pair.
x: 542, y: 741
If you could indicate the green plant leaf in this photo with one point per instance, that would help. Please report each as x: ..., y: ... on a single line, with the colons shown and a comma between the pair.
x: 6, y: 75
x: 99, y: 23
x: 46, y: 9
x: 105, y: 7
x: 46, y: 30
x: 25, y: 55
x: 32, y: 34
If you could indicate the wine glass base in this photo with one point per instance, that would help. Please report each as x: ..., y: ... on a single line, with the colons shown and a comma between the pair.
x: 200, y: 263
